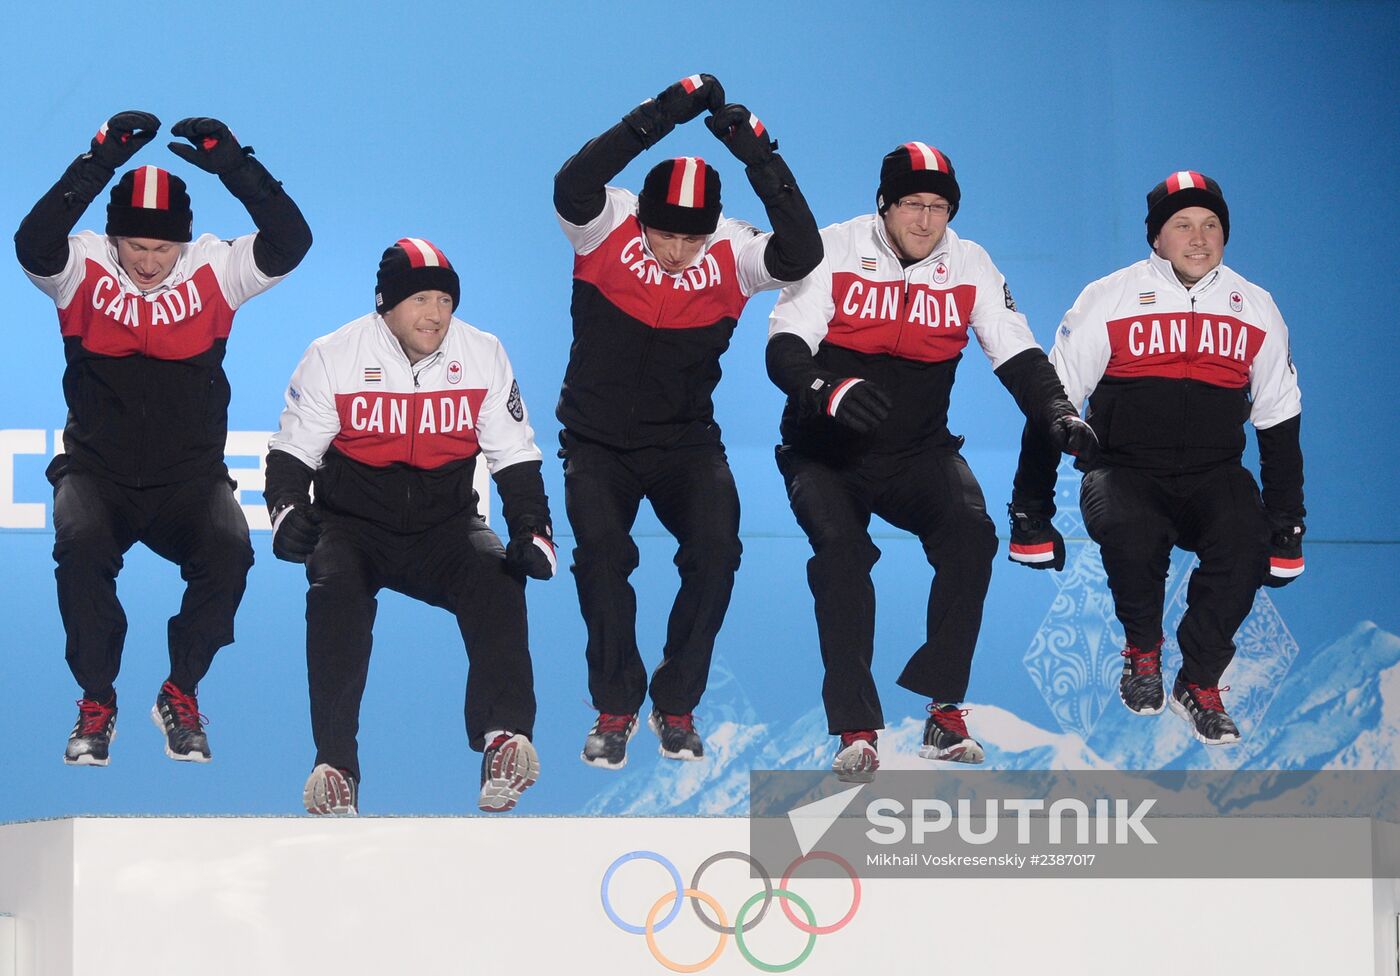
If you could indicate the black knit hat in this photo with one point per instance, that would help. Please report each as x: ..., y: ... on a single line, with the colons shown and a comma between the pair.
x: 412, y: 265
x: 1179, y: 191
x: 149, y: 202
x: 680, y: 196
x: 917, y: 167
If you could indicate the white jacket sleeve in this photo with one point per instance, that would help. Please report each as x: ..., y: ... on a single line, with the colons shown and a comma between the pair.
x: 618, y: 205
x: 503, y: 426
x: 1001, y: 331
x: 310, y: 420
x: 805, y: 308
x: 1273, y: 380
x: 1080, y: 353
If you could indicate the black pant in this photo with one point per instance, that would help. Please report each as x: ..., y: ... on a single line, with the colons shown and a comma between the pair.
x: 932, y: 494
x: 459, y: 566
x: 692, y: 492
x: 1136, y: 518
x: 196, y: 524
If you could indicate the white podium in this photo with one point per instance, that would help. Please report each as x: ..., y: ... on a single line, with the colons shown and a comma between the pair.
x: 381, y: 896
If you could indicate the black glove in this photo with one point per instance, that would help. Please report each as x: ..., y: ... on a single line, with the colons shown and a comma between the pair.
x: 296, y: 529
x: 1035, y: 542
x: 531, y: 553
x: 850, y: 400
x: 1072, y: 435
x: 122, y: 136
x: 740, y: 130
x: 1285, y: 552
x: 215, y: 150
x: 678, y: 104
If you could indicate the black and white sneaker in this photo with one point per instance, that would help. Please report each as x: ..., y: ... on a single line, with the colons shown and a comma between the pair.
x: 857, y: 759
x: 606, y: 745
x: 1204, y: 712
x: 92, y: 734
x: 946, y: 738
x: 509, y: 767
x: 331, y: 792
x: 177, y: 715
x: 679, y: 740
x: 1140, y: 687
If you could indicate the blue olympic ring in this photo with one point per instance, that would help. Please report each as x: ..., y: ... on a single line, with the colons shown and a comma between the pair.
x: 642, y: 856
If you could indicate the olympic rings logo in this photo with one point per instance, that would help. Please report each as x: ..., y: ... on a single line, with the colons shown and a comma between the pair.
x: 742, y: 922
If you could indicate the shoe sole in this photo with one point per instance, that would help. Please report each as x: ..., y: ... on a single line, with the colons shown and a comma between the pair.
x: 327, y: 793
x: 198, y: 757
x: 685, y: 755
x: 1142, y: 711
x: 860, y: 768
x: 514, y: 769
x: 601, y: 763
x: 1180, y: 709
x: 86, y: 758
x: 964, y: 753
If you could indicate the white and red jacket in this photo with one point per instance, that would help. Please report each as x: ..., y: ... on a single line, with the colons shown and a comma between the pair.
x: 1172, y: 373
x: 396, y: 443
x: 645, y: 357
x: 863, y: 314
x: 145, y: 385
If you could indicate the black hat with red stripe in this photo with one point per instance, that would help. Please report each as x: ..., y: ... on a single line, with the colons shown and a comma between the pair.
x: 916, y: 167
x: 412, y: 265
x: 680, y: 196
x: 149, y: 202
x: 1183, y: 189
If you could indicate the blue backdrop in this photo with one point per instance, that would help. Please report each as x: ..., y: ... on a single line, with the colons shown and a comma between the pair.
x: 448, y: 121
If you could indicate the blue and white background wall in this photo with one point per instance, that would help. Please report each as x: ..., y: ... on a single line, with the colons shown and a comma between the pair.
x: 448, y: 121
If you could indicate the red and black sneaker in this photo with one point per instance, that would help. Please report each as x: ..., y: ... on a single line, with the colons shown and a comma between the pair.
x: 857, y: 759
x: 1204, y: 712
x: 1140, y: 687
x: 92, y: 734
x: 509, y: 767
x: 679, y: 740
x: 177, y: 715
x: 945, y: 736
x: 606, y: 744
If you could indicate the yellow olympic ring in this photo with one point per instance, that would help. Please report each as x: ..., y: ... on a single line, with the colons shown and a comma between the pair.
x: 677, y: 967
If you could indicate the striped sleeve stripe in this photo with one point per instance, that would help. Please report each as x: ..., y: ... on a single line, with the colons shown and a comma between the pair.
x: 546, y: 547
x: 839, y: 394
x: 690, y: 83
x: 1040, y: 552
x: 102, y: 134
x: 756, y: 125
x: 1286, y: 568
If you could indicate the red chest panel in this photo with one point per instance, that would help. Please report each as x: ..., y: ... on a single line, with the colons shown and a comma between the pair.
x: 920, y: 321
x: 633, y: 281
x: 178, y: 323
x: 425, y: 430
x: 1216, y: 349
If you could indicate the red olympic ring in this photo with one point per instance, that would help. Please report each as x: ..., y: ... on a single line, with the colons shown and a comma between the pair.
x: 855, y: 897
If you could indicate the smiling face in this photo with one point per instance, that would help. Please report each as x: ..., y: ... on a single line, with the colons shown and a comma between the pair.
x: 674, y: 252
x: 420, y: 323
x: 1193, y: 240
x: 147, y: 260
x: 915, y: 224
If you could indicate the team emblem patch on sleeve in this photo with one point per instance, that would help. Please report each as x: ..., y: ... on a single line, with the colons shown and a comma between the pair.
x: 1006, y: 294
x: 513, y: 402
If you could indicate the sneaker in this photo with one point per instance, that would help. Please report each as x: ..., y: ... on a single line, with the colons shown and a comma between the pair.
x: 330, y: 792
x: 857, y: 759
x: 945, y: 736
x: 606, y: 745
x: 1140, y: 687
x: 679, y: 740
x: 509, y: 767
x: 92, y: 733
x: 177, y: 715
x: 1205, y: 712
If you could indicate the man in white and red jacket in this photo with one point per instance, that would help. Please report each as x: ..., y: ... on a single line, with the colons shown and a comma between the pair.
x: 145, y: 313
x: 866, y: 348
x: 660, y: 280
x: 1175, y: 353
x: 387, y: 416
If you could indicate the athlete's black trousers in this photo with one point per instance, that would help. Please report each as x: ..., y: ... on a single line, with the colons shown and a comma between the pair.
x: 459, y: 566
x: 931, y: 494
x: 196, y: 524
x: 1136, y: 518
x: 693, y: 494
